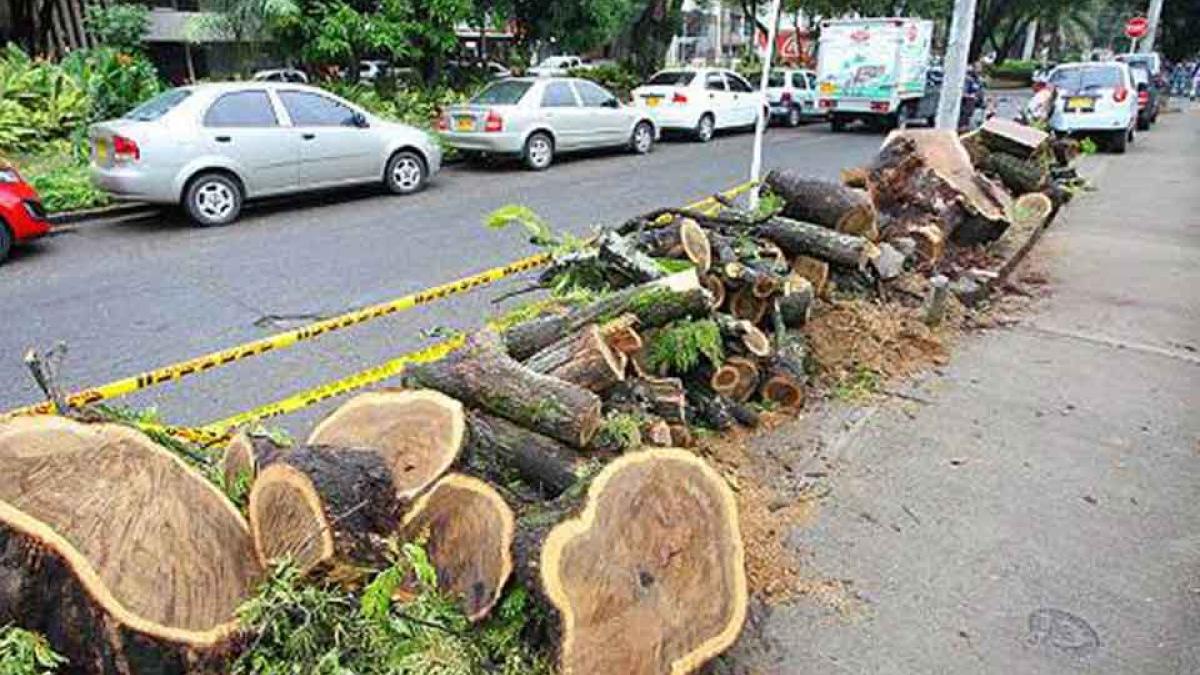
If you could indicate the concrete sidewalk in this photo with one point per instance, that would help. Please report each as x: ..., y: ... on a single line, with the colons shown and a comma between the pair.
x: 1040, y: 512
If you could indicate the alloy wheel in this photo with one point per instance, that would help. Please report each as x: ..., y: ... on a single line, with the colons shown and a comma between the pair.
x: 704, y: 132
x: 407, y: 174
x: 214, y: 200
x: 541, y: 152
x: 643, y: 138
x: 793, y: 119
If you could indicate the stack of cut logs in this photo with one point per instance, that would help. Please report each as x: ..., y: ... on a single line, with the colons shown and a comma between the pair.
x: 505, y: 459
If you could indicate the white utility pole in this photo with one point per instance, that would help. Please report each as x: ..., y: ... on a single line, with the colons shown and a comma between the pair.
x: 1030, y: 41
x: 958, y: 49
x: 763, y: 120
x: 1152, y: 29
x: 720, y: 11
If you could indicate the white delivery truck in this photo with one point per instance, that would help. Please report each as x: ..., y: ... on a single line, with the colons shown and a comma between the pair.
x: 872, y: 70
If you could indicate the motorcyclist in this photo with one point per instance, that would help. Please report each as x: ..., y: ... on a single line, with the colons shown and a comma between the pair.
x: 973, y: 98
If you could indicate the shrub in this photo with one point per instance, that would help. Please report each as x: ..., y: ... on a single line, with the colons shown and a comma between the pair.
x: 121, y: 26
x: 1013, y: 69
x: 619, y: 79
x: 114, y: 81
x: 415, y: 106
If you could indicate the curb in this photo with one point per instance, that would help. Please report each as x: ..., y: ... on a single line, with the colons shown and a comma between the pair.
x: 115, y: 211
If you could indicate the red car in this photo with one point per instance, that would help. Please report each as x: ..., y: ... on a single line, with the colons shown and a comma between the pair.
x: 22, y: 217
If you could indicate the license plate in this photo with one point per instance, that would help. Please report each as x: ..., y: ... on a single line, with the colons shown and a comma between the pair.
x: 101, y: 150
x: 653, y: 101
x: 1082, y: 103
x: 827, y: 87
x: 464, y: 123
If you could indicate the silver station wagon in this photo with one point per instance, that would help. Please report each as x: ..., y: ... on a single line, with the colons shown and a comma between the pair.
x: 537, y: 118
x: 210, y: 147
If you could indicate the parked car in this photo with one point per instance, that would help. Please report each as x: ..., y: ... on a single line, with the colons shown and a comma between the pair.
x: 22, y: 217
x: 1095, y: 99
x: 792, y: 96
x: 701, y: 100
x: 1149, y: 96
x: 210, y: 147
x: 281, y: 75
x: 557, y: 66
x: 493, y: 69
x: 536, y: 118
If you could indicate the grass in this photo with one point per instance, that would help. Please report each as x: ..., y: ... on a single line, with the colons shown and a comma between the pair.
x: 61, y: 179
x: 860, y: 384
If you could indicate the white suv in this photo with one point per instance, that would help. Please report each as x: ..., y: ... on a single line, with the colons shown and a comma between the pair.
x: 1095, y: 99
x: 701, y: 101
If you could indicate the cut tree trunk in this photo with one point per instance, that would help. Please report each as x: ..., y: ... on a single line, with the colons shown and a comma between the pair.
x: 623, y: 256
x: 745, y: 336
x: 655, y: 304
x: 748, y: 379
x: 784, y: 391
x: 798, y: 238
x: 665, y: 397
x: 1018, y: 175
x: 583, y: 358
x: 747, y: 306
x: 1034, y: 207
x: 467, y: 530
x: 822, y: 202
x: 682, y: 436
x: 1004, y: 135
x: 329, y: 510
x: 419, y: 433
x: 497, y: 447
x: 710, y: 409
x: 795, y: 304
x: 854, y: 177
x: 696, y: 245
x: 816, y: 271
x: 117, y: 551
x: 647, y: 575
x: 656, y: 432
x: 244, y: 454
x: 925, y: 176
x: 621, y: 334
x: 716, y: 288
x: 483, y: 376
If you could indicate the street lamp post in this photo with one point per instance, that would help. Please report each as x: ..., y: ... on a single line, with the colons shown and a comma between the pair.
x: 764, y: 119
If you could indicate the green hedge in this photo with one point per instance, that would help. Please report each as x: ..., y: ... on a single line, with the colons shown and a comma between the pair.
x: 1013, y: 70
x: 619, y: 79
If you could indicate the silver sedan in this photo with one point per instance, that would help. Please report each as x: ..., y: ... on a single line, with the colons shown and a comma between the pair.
x: 536, y: 118
x: 212, y: 146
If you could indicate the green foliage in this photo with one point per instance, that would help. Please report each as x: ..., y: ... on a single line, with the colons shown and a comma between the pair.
x: 769, y: 204
x: 26, y: 653
x: 60, y: 175
x: 620, y: 79
x: 680, y: 346
x: 114, y: 81
x: 122, y: 26
x: 620, y: 430
x: 302, y: 627
x: 858, y: 385
x: 417, y: 106
x: 1088, y: 146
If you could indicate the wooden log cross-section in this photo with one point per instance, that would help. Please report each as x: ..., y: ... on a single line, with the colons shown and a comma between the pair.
x: 481, y: 375
x: 647, y: 577
x: 116, y: 551
x: 584, y: 359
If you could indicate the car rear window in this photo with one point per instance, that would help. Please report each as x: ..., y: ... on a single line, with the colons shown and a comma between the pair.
x: 158, y: 106
x: 673, y: 78
x: 1086, y: 77
x: 775, y: 79
x: 502, y: 93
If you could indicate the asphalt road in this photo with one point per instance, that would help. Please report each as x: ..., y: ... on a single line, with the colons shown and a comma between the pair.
x: 130, y: 295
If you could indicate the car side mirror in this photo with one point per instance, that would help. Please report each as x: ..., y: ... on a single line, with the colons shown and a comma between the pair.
x: 360, y: 120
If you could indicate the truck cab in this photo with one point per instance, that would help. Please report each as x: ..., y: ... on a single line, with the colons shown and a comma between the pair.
x: 872, y: 70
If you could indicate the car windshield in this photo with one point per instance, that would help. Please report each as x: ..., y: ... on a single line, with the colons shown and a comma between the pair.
x: 775, y: 79
x: 1086, y: 77
x: 508, y: 92
x: 673, y: 78
x: 158, y: 106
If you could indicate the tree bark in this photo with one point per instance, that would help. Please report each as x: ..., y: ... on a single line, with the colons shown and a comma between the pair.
x: 243, y: 456
x: 816, y: 271
x: 798, y: 238
x: 1021, y: 141
x: 497, y: 446
x: 1018, y: 175
x: 822, y: 202
x: 483, y: 376
x: 795, y: 304
x: 655, y: 304
x: 584, y: 359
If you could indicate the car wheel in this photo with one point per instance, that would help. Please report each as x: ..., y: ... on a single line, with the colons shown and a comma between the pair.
x: 837, y: 123
x: 405, y: 173
x: 213, y: 199
x: 539, y: 151
x: 705, y: 128
x: 793, y: 117
x: 1118, y: 142
x: 642, y: 140
x: 6, y: 241
x: 1143, y: 124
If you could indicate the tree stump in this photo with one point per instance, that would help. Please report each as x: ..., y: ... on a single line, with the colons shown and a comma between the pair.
x: 117, y: 551
x: 467, y: 530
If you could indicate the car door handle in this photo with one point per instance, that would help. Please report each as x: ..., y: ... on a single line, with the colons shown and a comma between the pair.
x: 308, y: 137
x: 223, y: 139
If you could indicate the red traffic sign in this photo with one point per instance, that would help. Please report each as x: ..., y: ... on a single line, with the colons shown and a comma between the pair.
x: 1136, y: 27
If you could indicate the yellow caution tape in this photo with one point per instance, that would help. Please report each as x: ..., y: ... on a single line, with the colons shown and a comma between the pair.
x: 182, y: 369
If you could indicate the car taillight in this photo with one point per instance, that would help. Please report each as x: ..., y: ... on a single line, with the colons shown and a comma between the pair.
x: 493, y: 121
x: 879, y: 106
x: 1143, y: 98
x: 125, y: 148
x: 678, y: 98
x: 785, y: 97
x: 827, y: 103
x: 443, y: 123
x: 1038, y: 86
x: 1120, y: 94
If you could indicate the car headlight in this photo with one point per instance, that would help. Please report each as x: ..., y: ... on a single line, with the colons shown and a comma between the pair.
x: 9, y: 176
